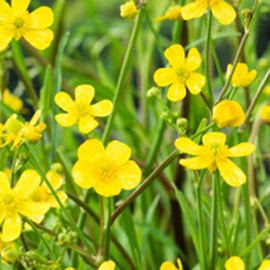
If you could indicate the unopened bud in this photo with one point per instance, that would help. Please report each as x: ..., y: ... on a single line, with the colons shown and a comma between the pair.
x: 152, y: 92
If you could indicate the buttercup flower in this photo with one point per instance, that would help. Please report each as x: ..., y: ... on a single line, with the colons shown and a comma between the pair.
x: 15, y: 202
x: 80, y: 111
x: 16, y: 132
x: 228, y: 113
x: 107, y: 170
x: 108, y: 265
x: 221, y: 10
x: 171, y: 266
x: 128, y: 10
x: 265, y: 265
x: 213, y: 154
x: 265, y: 113
x: 241, y: 75
x: 234, y: 263
x: 173, y: 13
x: 12, y: 101
x: 43, y: 193
x: 181, y: 73
x: 16, y: 22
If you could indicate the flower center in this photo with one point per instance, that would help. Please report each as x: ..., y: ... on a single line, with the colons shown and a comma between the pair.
x: 182, y: 74
x: 106, y: 172
x: 8, y: 199
x: 18, y: 23
x: 82, y: 109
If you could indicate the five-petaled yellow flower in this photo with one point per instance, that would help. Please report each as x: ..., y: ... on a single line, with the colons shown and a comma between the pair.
x: 128, y: 10
x: 241, y: 75
x: 80, y: 111
x: 107, y: 170
x: 265, y: 113
x: 171, y: 266
x: 16, y: 22
x: 228, y: 113
x: 221, y: 10
x: 181, y: 72
x: 214, y: 154
x: 16, y: 202
x: 107, y: 265
x: 173, y: 13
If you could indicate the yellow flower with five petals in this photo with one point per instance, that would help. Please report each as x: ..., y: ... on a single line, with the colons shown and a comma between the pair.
x: 107, y: 265
x: 15, y: 203
x: 16, y: 22
x: 214, y: 154
x: 80, y: 111
x: 221, y: 10
x: 108, y: 170
x: 181, y: 73
x: 241, y: 75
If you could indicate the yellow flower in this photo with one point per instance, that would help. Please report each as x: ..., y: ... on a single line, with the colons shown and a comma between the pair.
x: 17, y: 22
x: 228, y: 113
x: 180, y: 73
x: 214, y: 154
x: 265, y: 113
x: 221, y: 10
x: 43, y: 193
x: 16, y: 132
x: 80, y: 111
x: 107, y: 170
x: 12, y: 101
x: 108, y: 265
x: 15, y: 202
x: 265, y: 265
x: 234, y: 263
x: 241, y: 75
x: 173, y: 13
x: 170, y: 266
x: 8, y: 251
x: 128, y: 10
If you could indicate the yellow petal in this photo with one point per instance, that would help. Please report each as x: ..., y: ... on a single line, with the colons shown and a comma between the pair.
x: 27, y: 183
x: 102, y: 108
x: 83, y: 175
x: 194, y: 10
x: 55, y: 179
x: 118, y: 152
x: 12, y: 227
x: 195, y: 82
x: 194, y: 59
x: 4, y: 184
x: 40, y: 18
x: 240, y: 150
x: 52, y: 201
x: 64, y: 101
x: 250, y: 77
x: 90, y: 149
x: 6, y: 37
x: 175, y: 54
x: 164, y: 76
x: 108, y: 188
x: 129, y: 175
x: 33, y: 209
x: 214, y: 138
x: 177, y: 91
x: 222, y: 11
x: 231, y: 173
x: 186, y: 145
x: 196, y: 163
x: 265, y: 265
x: 265, y: 113
x: 167, y: 266
x: 20, y: 4
x: 180, y: 266
x: 39, y: 38
x: 84, y: 94
x: 5, y: 10
x: 234, y: 263
x: 108, y: 265
x: 87, y: 124
x: 65, y: 119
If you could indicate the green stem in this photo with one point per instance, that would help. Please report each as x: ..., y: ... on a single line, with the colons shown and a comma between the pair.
x: 214, y: 222
x: 207, y: 58
x: 237, y: 56
x: 122, y: 75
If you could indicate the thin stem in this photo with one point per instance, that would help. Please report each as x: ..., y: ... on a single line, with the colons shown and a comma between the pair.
x: 214, y: 222
x: 237, y: 56
x: 122, y: 75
